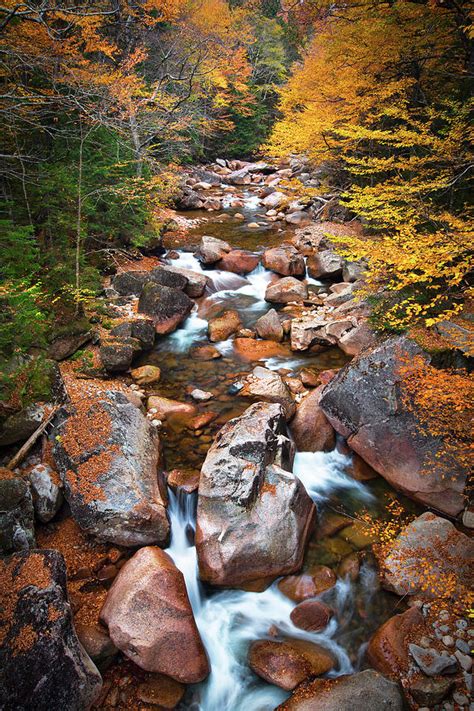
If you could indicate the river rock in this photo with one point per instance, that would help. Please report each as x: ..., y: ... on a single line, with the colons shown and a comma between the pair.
x: 17, y: 528
x: 356, y: 340
x: 286, y: 664
x: 161, y: 692
x: 141, y: 329
x: 97, y: 643
x: 308, y: 331
x: 150, y: 619
x: 298, y: 217
x: 169, y: 277
x: 108, y: 456
x: 222, y: 327
x: 284, y: 260
x: 363, y: 403
x: 274, y: 200
x: 190, y: 200
x: 352, y: 692
x: 205, y: 353
x: 211, y: 250
x: 388, y: 647
x: 146, y: 374
x: 165, y: 407
x: 269, y: 326
x: 302, y: 587
x: 310, y: 428
x: 130, y: 283
x: 253, y: 516
x: 286, y: 290
x: 353, y: 271
x: 311, y: 615
x: 432, y: 662
x: 433, y: 540
x: 325, y: 265
x: 168, y: 307
x: 197, y: 282
x: 47, y: 495
x: 239, y: 261
x: 116, y: 356
x: 239, y: 177
x: 251, y: 350
x: 42, y: 664
x: 429, y: 691
x: 269, y: 386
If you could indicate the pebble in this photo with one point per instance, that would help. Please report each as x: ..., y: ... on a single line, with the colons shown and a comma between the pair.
x: 460, y: 699
x: 464, y: 660
x: 134, y: 386
x: 448, y: 640
x: 462, y: 624
x: 463, y: 646
x: 425, y: 642
x: 444, y: 615
x: 156, y: 423
x: 445, y: 628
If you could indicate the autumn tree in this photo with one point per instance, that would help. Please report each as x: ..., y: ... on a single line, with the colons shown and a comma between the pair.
x: 382, y: 95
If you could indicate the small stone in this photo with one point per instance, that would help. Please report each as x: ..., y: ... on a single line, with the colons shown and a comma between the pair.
x: 462, y: 624
x: 460, y: 699
x: 463, y: 646
x: 431, y: 662
x: 425, y: 642
x: 447, y: 640
x: 464, y: 660
x: 201, y: 395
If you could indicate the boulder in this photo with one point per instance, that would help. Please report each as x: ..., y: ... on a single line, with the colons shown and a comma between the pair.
x: 286, y: 664
x: 130, y: 283
x: 325, y: 265
x: 308, y: 331
x: 211, y: 250
x: 108, y: 456
x: 274, y: 200
x: 239, y: 177
x: 222, y: 327
x: 190, y: 200
x: 286, y: 290
x: 284, y: 260
x: 42, y: 663
x: 356, y: 340
x: 363, y: 403
x: 17, y: 528
x: 149, y: 617
x: 311, y: 615
x: 353, y: 271
x: 354, y: 692
x: 140, y: 329
x: 46, y: 492
x: 388, y: 647
x: 116, y: 356
x: 168, y: 307
x: 197, y: 282
x: 239, y: 261
x: 269, y: 386
x: 169, y: 277
x: 253, y: 516
x: 427, y: 554
x: 269, y: 326
x: 310, y: 428
x: 298, y: 217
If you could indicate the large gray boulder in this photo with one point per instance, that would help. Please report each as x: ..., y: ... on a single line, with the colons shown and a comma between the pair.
x: 42, y: 664
x: 364, y: 403
x: 358, y: 692
x: 108, y: 456
x: 167, y: 306
x: 253, y: 516
x: 17, y: 530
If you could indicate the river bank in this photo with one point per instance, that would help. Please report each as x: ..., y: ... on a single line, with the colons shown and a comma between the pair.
x: 250, y: 304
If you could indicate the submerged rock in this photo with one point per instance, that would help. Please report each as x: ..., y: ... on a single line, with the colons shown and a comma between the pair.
x: 108, y: 456
x: 355, y: 692
x: 311, y: 615
x: 253, y: 517
x: 42, y: 664
x: 364, y: 404
x: 150, y: 619
x: 221, y: 327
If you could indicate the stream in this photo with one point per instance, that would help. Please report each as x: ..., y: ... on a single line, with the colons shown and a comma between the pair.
x: 229, y: 620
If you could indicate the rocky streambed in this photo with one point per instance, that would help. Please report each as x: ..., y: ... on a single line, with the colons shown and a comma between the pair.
x: 233, y: 489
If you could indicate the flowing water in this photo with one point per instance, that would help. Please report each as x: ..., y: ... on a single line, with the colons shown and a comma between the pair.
x: 229, y: 620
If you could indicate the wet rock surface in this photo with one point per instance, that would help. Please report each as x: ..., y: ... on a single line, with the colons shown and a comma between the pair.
x: 286, y: 664
x: 149, y: 618
x: 246, y: 487
x: 168, y: 307
x: 43, y: 665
